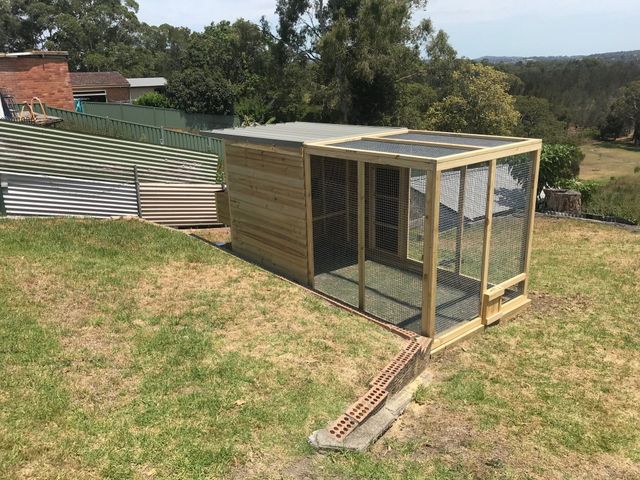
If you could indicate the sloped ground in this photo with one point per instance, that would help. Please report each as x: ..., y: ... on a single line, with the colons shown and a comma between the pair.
x: 128, y: 351
x: 553, y: 394
x: 132, y: 351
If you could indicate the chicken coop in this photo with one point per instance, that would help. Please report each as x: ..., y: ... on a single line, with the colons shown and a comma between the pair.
x: 429, y: 231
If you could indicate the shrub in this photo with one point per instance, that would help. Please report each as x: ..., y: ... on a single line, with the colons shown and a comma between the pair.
x: 153, y: 99
x: 559, y: 163
x: 587, y: 188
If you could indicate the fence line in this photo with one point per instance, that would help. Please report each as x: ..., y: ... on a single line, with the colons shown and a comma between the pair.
x: 48, y: 172
x: 160, y: 117
x: 109, y: 127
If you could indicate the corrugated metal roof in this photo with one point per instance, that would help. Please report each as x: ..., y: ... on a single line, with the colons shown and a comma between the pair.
x: 36, y: 53
x: 297, y: 133
x: 147, y: 82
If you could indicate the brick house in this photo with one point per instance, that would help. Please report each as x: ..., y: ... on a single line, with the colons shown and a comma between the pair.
x: 42, y: 74
x: 100, y: 87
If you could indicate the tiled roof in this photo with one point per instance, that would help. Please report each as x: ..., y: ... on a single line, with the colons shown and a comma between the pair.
x: 98, y: 79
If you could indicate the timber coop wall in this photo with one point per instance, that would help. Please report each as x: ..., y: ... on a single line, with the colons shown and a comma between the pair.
x: 429, y: 231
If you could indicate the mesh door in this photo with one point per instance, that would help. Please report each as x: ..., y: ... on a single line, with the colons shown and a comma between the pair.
x: 334, y: 186
x: 463, y: 199
x: 509, y: 231
x: 393, y: 268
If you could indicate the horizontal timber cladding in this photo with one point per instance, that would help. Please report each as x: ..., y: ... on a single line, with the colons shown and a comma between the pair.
x: 37, y: 150
x: 267, y: 207
x: 38, y: 195
x: 179, y: 204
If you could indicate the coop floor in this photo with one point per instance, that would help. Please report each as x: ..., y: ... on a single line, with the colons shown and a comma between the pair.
x: 394, y: 294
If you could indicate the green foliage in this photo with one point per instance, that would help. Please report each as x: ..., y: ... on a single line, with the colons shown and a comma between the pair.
x: 579, y: 91
x: 537, y: 120
x: 625, y: 111
x: 620, y: 197
x: 476, y: 101
x: 612, y: 127
x: 558, y: 163
x: 153, y: 99
x: 360, y: 50
x: 192, y: 92
x: 587, y: 188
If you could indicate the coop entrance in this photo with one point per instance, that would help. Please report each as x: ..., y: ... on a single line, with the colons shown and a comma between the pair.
x: 392, y: 282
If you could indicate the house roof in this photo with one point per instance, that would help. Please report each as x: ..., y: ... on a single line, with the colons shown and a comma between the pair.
x: 147, y: 82
x: 509, y: 192
x: 37, y: 53
x: 98, y: 79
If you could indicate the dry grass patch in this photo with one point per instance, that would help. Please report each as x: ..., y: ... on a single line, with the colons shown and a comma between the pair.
x: 138, y: 352
x: 605, y: 160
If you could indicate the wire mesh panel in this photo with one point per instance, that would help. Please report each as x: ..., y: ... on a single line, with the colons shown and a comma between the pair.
x: 334, y: 198
x: 509, y: 232
x: 463, y: 198
x: 417, y: 191
x: 393, y: 270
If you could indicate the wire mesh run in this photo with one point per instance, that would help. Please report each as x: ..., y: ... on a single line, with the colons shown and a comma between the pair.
x: 463, y: 199
x: 393, y: 267
x: 509, y: 232
x: 334, y: 196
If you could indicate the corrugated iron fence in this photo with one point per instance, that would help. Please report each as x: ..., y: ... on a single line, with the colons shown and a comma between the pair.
x: 46, y: 172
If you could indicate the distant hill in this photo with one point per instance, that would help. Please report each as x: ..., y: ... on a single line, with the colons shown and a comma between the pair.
x: 629, y: 56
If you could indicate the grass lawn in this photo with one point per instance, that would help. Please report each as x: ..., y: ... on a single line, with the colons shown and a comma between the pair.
x: 132, y: 351
x: 553, y: 394
x: 608, y: 159
x: 129, y: 351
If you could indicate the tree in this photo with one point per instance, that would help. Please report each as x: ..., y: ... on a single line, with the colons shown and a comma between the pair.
x: 626, y: 109
x: 362, y: 50
x: 537, y: 120
x: 476, y: 101
x: 219, y: 66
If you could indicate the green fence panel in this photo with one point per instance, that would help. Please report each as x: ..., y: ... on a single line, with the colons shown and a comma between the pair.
x: 160, y: 117
x: 109, y: 127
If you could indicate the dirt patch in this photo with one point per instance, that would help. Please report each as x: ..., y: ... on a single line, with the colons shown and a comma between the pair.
x: 436, y: 432
x: 213, y: 235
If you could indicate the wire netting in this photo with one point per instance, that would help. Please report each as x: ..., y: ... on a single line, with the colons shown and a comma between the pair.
x: 393, y: 268
x: 428, y: 151
x: 394, y: 236
x: 463, y: 199
x: 334, y: 195
x: 509, y: 232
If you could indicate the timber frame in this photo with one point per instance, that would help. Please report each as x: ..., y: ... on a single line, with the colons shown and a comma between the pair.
x: 269, y: 188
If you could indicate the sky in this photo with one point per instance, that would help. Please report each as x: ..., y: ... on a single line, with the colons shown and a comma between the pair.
x: 476, y: 28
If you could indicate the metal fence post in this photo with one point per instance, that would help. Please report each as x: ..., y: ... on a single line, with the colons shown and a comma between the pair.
x: 135, y: 179
x: 162, y: 136
x: 4, y: 183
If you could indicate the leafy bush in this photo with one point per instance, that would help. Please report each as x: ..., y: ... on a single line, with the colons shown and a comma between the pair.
x: 153, y: 99
x: 587, y: 188
x: 559, y: 163
x: 620, y: 197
